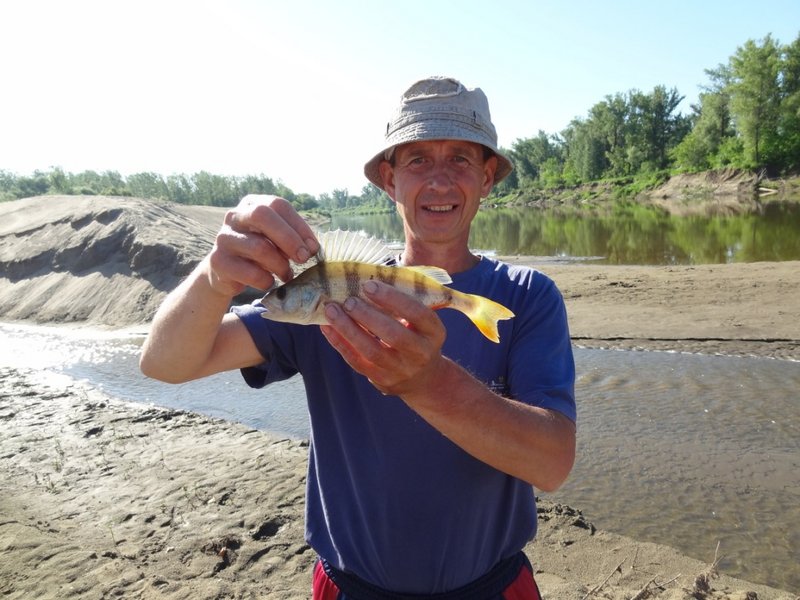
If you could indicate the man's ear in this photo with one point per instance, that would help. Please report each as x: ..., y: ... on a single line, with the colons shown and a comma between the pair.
x: 489, y: 169
x: 387, y: 177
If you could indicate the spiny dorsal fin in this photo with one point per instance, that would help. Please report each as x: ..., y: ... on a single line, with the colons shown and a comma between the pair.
x: 351, y: 246
x: 440, y: 275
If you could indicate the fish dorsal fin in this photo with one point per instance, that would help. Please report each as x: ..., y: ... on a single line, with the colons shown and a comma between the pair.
x: 351, y: 246
x: 440, y: 275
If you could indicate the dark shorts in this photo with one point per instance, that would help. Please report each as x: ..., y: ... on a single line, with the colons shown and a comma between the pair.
x: 512, y: 579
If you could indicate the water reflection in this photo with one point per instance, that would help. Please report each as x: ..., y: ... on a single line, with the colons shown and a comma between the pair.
x: 628, y: 233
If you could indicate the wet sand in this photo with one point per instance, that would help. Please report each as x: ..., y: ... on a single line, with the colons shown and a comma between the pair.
x: 107, y: 499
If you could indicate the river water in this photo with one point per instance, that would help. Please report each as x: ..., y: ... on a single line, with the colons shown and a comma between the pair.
x: 679, y: 449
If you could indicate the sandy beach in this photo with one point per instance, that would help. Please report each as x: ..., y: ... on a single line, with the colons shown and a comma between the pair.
x: 106, y: 499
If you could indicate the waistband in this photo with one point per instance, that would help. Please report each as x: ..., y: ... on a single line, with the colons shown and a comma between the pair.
x: 484, y: 588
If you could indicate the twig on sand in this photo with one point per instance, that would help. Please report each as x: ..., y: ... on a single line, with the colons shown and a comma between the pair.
x: 645, y: 591
x: 597, y: 588
x: 702, y: 583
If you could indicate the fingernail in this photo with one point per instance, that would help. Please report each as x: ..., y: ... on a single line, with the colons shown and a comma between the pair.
x: 371, y: 287
x: 331, y: 311
x: 312, y: 243
x: 350, y: 304
x: 303, y: 255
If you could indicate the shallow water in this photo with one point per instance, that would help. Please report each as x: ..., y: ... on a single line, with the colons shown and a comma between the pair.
x: 678, y: 449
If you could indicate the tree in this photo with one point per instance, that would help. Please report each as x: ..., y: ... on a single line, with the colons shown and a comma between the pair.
x: 655, y: 127
x: 789, y: 112
x: 214, y: 190
x: 755, y: 99
x: 608, y: 123
x: 530, y: 154
x: 58, y: 181
x: 585, y: 151
x: 148, y: 185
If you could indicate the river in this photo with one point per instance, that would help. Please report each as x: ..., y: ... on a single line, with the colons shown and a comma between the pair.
x: 624, y: 233
x: 678, y: 449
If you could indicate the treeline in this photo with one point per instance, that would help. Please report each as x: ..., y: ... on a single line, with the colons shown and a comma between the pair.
x: 199, y: 188
x: 747, y: 117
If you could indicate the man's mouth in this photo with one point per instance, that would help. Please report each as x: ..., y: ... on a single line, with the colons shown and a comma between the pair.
x: 440, y: 208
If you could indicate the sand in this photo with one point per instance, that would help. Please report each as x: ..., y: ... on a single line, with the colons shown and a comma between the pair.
x: 106, y: 499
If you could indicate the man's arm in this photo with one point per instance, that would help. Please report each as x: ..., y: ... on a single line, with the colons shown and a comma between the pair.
x: 192, y: 335
x: 397, y: 345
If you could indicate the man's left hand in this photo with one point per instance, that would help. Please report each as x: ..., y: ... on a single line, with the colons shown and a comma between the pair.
x: 390, y: 337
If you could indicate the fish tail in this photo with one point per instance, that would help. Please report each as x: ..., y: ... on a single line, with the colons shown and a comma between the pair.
x: 484, y: 313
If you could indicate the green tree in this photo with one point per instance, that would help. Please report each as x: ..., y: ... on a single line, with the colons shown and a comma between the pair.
x: 654, y: 128
x: 213, y: 190
x: 59, y: 182
x: 755, y: 99
x: 585, y: 151
x: 179, y: 189
x: 609, y: 124
x: 712, y: 125
x: 148, y: 185
x: 530, y: 154
x: 789, y: 113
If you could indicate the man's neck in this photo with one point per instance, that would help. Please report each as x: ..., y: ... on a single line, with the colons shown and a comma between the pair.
x: 452, y: 261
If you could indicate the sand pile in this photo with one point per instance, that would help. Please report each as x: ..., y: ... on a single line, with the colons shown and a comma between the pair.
x: 107, y: 261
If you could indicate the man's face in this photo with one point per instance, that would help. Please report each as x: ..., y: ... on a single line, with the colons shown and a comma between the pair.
x: 438, y: 186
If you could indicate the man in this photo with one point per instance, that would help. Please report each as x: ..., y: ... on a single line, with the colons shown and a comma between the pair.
x: 426, y: 439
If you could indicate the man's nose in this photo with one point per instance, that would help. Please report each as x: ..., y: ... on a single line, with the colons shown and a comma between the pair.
x: 440, y: 178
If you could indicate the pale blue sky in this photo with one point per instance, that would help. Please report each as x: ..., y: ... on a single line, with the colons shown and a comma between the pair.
x: 300, y: 90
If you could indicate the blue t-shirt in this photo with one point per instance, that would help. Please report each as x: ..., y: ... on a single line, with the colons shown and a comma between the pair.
x: 388, y: 497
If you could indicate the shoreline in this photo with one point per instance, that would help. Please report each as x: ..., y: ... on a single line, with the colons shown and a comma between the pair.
x: 104, y: 497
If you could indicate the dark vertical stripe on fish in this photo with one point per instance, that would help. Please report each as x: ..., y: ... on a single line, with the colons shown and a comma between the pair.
x: 324, y: 280
x: 352, y: 279
x: 387, y: 274
x: 420, y: 285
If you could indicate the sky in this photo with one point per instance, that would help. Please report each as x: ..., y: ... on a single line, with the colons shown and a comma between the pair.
x: 301, y: 90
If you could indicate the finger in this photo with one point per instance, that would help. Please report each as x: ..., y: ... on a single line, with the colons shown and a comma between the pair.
x: 285, y: 209
x: 230, y: 274
x: 358, y: 336
x: 349, y: 353
x: 416, y: 315
x: 253, y: 248
x: 376, y: 323
x: 277, y: 220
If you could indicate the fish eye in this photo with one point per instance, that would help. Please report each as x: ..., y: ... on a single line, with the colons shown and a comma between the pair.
x: 281, y: 292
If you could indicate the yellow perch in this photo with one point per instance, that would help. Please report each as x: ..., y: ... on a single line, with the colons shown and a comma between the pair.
x: 348, y: 259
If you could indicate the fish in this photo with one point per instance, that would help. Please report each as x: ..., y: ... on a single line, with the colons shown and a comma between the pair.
x: 346, y: 260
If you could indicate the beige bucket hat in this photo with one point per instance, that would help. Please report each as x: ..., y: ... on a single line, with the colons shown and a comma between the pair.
x: 440, y: 108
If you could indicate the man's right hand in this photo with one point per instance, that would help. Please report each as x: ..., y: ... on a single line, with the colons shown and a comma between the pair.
x: 192, y: 334
x: 255, y: 244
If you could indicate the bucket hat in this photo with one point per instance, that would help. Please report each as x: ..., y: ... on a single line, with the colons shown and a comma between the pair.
x: 440, y: 108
